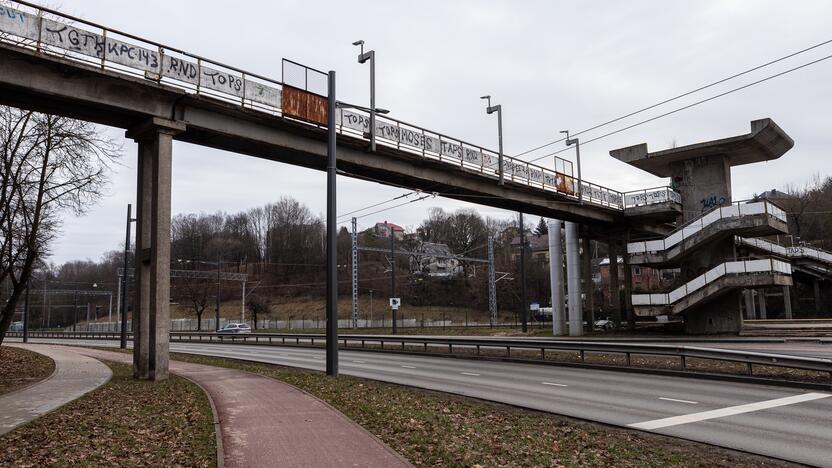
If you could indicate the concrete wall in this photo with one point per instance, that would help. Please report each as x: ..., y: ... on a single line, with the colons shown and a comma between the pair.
x: 703, y: 182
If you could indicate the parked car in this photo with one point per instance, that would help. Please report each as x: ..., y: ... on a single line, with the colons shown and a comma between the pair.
x: 235, y: 328
x: 16, y: 327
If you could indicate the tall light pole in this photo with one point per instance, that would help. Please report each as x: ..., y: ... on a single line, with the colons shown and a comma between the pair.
x: 363, y: 57
x: 499, y: 110
x: 332, y: 226
x: 577, y: 143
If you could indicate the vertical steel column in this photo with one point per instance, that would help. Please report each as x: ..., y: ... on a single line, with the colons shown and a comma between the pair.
x: 392, y: 273
x: 354, y: 273
x: 556, y: 277
x: 219, y: 284
x: 492, y: 286
x: 588, y: 286
x: 614, y: 287
x: 524, y: 306
x: 123, y: 283
x: 331, y: 236
x: 26, y: 313
x: 573, y: 280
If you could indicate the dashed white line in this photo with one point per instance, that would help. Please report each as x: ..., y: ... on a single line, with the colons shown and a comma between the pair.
x: 469, y: 373
x: 408, y: 367
x: 679, y: 401
x: 554, y: 384
x: 359, y: 362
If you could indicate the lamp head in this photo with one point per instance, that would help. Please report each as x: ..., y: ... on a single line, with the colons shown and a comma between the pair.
x: 358, y: 43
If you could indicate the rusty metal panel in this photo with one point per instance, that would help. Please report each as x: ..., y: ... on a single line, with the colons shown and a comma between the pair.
x: 566, y: 184
x: 304, y: 105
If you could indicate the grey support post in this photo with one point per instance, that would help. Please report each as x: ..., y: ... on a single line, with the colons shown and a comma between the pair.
x: 556, y: 277
x: 615, y: 295
x: 586, y: 273
x: 787, y: 301
x: 573, y: 280
x: 151, y: 313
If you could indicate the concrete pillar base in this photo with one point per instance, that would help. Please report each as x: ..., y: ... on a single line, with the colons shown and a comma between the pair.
x: 151, y: 311
x: 720, y: 316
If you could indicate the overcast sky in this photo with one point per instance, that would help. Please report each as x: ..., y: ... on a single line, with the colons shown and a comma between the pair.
x: 552, y: 65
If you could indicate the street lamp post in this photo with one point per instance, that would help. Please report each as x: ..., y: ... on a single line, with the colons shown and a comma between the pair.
x: 499, y: 110
x: 26, y: 314
x: 577, y: 143
x: 363, y: 57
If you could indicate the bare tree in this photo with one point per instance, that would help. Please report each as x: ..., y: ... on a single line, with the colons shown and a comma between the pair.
x: 197, y: 292
x: 48, y: 165
x: 258, y: 305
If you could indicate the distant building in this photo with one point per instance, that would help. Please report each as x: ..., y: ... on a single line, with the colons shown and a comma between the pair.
x: 538, y: 248
x: 383, y: 230
x: 645, y: 279
x: 435, y: 260
x: 773, y: 195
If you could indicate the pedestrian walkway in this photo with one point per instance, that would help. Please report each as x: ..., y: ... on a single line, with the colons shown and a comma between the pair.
x: 265, y: 422
x: 74, y: 376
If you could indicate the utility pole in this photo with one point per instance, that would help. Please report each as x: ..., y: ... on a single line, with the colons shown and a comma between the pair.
x: 123, y: 294
x: 525, y: 310
x: 217, y: 315
x: 26, y: 314
x: 75, y: 310
x: 354, y: 273
x: 331, y: 236
x: 392, y: 271
x: 371, y: 307
x: 492, y: 286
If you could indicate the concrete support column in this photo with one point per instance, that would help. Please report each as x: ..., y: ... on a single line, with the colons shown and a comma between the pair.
x: 615, y: 296
x: 629, y: 314
x: 573, y: 280
x: 556, y: 278
x: 151, y: 313
x: 588, y: 287
x: 762, y: 299
x: 787, y: 301
x: 816, y: 287
x: 748, y: 295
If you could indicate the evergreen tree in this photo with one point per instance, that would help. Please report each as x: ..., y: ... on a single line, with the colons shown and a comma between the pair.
x: 542, y: 228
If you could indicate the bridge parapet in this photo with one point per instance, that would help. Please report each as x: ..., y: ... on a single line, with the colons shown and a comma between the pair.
x: 51, y: 32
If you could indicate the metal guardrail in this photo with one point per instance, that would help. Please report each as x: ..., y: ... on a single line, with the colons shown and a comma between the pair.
x: 49, y: 31
x: 742, y: 267
x: 401, y: 343
x: 736, y: 210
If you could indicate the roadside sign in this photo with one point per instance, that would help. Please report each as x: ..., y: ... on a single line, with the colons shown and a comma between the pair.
x: 534, y: 306
x: 395, y: 302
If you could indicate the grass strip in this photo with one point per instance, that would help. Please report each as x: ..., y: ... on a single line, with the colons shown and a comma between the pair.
x: 21, y: 367
x: 436, y: 429
x: 125, y: 422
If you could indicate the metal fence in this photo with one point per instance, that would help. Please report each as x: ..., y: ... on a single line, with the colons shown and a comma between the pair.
x: 473, y: 347
x: 796, y: 251
x: 51, y: 32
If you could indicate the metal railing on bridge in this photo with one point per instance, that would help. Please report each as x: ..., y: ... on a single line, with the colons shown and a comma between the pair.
x: 743, y: 267
x: 49, y: 31
x: 693, y: 227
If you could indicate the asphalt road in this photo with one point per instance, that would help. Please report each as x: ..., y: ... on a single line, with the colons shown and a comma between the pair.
x: 783, y: 423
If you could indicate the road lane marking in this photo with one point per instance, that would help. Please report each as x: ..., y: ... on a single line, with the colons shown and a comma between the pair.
x: 408, y: 367
x: 679, y: 401
x: 554, y: 384
x: 469, y: 373
x: 359, y: 362
x: 729, y: 411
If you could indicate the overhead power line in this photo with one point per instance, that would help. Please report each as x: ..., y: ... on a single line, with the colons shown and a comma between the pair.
x: 674, y: 98
x: 739, y: 88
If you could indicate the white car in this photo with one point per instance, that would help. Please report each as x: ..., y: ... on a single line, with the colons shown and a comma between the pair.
x: 235, y: 328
